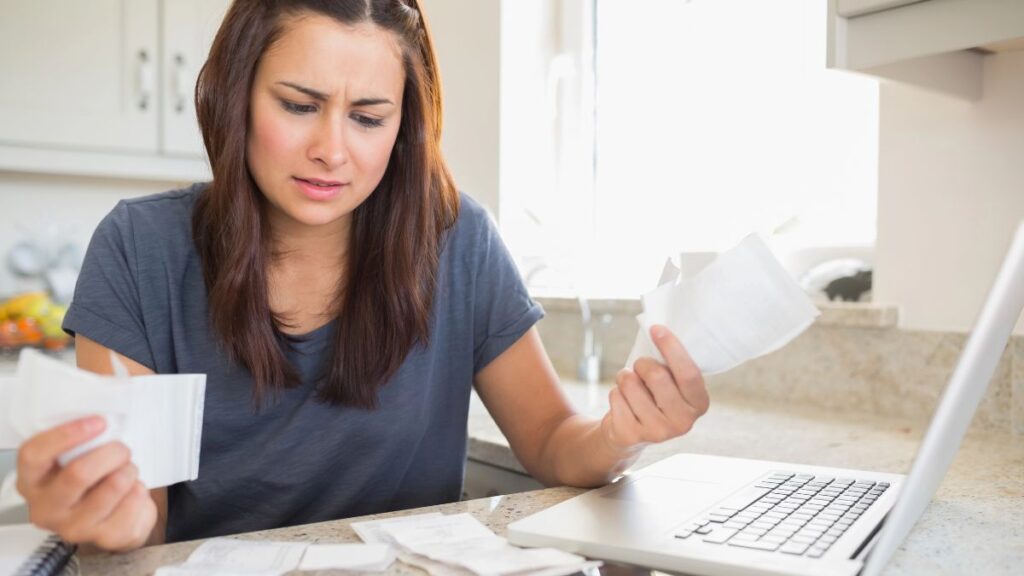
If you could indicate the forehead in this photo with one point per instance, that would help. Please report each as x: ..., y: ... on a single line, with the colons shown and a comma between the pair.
x: 326, y: 55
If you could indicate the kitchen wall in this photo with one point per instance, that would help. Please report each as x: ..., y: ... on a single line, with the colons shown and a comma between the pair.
x: 467, y: 37
x: 58, y: 208
x: 951, y: 192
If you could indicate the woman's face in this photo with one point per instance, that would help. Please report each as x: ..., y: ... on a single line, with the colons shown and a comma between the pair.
x: 325, y: 109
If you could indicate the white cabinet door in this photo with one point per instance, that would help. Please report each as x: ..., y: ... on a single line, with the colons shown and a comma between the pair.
x: 79, y: 74
x: 189, y: 27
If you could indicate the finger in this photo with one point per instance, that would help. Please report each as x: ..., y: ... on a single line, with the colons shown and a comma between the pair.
x: 625, y: 429
x: 98, y: 503
x: 667, y: 396
x: 37, y: 457
x: 83, y: 473
x: 130, y: 523
x: 684, y: 370
x: 653, y: 423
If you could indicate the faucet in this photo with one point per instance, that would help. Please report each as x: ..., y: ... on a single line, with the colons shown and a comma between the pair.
x: 589, y: 367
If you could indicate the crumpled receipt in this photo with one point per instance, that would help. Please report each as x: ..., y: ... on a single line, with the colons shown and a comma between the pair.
x: 234, y: 557
x: 159, y: 417
x: 740, y: 306
x: 459, y: 545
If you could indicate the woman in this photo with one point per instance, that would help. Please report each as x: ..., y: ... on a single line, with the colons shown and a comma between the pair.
x: 340, y: 295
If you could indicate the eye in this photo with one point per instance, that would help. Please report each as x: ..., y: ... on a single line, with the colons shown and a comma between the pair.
x: 367, y: 122
x: 297, y: 108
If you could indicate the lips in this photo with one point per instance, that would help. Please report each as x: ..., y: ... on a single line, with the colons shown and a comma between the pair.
x: 317, y: 189
x: 318, y: 182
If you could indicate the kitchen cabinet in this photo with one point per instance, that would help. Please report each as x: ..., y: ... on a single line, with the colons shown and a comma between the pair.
x: 189, y: 27
x: 104, y: 87
x: 938, y: 45
x: 79, y: 74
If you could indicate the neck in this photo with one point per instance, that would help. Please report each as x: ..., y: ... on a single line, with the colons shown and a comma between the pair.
x: 297, y: 244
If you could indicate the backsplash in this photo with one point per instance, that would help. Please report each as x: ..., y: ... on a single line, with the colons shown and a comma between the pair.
x: 854, y: 357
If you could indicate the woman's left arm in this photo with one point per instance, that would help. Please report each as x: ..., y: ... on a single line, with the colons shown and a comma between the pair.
x: 556, y: 445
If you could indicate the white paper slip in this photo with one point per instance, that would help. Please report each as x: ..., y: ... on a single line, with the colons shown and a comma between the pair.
x: 432, y: 567
x: 566, y: 570
x: 740, y: 306
x: 362, y: 557
x: 377, y: 531
x: 447, y: 536
x: 228, y: 556
x: 159, y: 417
x: 460, y: 540
x: 511, y: 560
x: 206, y: 570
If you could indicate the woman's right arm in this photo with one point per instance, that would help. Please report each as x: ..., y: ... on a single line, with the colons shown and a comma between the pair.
x: 97, y: 499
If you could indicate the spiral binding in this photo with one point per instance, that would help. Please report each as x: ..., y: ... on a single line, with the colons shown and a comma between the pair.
x: 50, y: 559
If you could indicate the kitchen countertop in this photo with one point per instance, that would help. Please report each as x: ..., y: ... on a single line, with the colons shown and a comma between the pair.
x: 973, y: 525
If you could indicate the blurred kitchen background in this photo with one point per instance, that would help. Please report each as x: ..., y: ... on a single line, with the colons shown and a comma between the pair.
x: 875, y: 144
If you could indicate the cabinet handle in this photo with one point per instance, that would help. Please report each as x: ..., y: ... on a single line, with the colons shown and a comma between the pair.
x: 146, y: 79
x: 181, y: 83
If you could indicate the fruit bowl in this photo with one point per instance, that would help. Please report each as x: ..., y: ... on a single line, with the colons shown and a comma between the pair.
x: 33, y: 320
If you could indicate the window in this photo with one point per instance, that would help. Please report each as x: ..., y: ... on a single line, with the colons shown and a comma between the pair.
x: 671, y: 125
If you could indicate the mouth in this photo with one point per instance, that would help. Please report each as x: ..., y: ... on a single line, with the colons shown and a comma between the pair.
x: 317, y: 189
x: 321, y: 183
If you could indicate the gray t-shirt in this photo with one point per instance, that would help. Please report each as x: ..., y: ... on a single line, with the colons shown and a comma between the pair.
x: 141, y: 294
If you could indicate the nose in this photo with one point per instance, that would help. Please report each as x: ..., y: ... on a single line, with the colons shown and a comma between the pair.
x: 328, y: 147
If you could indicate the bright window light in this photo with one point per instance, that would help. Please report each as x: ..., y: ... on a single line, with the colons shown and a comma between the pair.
x: 714, y: 119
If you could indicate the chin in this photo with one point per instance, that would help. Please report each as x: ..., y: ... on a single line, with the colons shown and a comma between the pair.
x: 316, y: 215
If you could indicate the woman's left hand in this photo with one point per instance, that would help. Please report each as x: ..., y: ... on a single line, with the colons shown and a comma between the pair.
x: 654, y: 402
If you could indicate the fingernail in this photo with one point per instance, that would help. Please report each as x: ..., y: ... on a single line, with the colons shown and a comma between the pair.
x: 657, y: 332
x: 93, y: 424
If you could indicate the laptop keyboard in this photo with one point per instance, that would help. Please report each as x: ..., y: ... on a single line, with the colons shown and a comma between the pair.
x: 798, y: 514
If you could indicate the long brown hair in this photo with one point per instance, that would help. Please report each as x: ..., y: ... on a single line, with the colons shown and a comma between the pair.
x: 386, y: 296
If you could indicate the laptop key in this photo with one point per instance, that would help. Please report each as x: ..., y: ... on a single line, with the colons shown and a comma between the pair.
x: 704, y: 530
x: 794, y: 548
x: 755, y: 544
x: 720, y: 535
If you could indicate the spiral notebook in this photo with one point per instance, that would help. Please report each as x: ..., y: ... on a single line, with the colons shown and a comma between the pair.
x: 28, y: 551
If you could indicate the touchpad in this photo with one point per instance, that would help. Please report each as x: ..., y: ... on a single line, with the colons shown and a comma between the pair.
x: 659, y: 489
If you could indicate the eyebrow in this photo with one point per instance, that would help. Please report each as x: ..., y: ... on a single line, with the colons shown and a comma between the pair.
x: 321, y: 97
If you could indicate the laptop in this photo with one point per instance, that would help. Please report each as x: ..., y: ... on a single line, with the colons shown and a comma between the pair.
x: 713, y: 515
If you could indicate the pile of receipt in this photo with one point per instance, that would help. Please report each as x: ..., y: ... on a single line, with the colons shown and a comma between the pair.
x: 443, y: 545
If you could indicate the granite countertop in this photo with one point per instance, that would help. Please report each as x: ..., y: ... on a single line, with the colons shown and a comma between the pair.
x: 973, y: 526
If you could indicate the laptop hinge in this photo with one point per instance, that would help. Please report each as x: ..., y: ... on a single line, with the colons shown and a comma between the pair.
x: 861, y: 553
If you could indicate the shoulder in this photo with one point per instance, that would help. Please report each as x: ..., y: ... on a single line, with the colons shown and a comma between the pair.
x: 153, y: 220
x: 474, y: 246
x: 148, y: 229
x: 474, y: 224
x: 158, y: 213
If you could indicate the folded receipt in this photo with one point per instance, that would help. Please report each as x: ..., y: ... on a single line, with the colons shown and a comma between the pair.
x: 742, y: 305
x: 159, y: 417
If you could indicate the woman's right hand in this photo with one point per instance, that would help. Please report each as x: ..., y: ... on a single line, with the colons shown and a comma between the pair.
x: 96, y: 499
